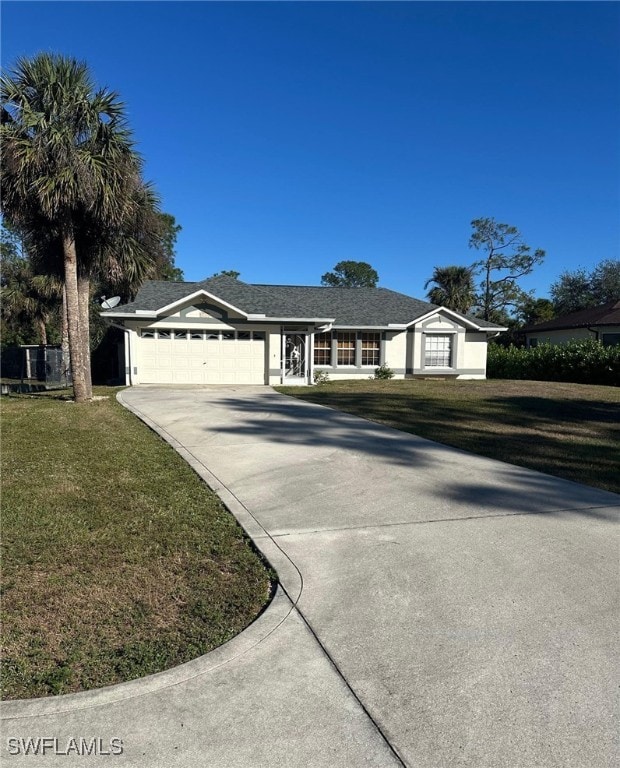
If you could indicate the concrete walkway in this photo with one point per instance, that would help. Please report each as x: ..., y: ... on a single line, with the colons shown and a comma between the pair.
x: 437, y: 608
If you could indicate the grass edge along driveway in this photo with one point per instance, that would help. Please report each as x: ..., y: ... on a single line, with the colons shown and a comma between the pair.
x: 118, y: 561
x: 567, y: 430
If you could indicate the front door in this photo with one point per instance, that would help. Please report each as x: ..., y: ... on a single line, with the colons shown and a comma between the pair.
x: 295, y: 358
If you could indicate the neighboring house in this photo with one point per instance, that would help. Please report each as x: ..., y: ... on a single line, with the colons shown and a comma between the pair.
x: 602, y: 323
x: 224, y: 331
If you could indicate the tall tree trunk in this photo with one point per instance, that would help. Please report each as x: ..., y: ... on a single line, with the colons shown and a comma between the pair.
x: 64, y: 338
x: 487, y: 290
x: 84, y: 305
x: 42, y: 332
x: 80, y: 390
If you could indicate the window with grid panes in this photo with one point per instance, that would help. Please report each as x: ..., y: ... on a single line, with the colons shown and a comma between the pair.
x: 323, y: 349
x: 371, y: 343
x: 346, y: 347
x: 438, y: 351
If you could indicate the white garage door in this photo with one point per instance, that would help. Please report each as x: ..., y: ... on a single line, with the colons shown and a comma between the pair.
x: 201, y: 357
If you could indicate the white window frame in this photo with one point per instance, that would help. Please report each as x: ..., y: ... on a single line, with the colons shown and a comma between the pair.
x: 193, y: 334
x: 328, y: 335
x: 346, y: 349
x: 366, y: 349
x: 432, y: 349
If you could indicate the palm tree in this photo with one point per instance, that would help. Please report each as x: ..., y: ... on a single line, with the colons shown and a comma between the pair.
x: 454, y: 288
x: 123, y: 256
x: 68, y: 162
x: 27, y: 297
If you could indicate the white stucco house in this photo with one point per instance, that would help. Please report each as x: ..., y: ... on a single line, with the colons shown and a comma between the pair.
x: 224, y: 331
x: 600, y: 323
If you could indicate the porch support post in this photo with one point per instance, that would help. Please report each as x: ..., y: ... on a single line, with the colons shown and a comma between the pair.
x: 282, y: 353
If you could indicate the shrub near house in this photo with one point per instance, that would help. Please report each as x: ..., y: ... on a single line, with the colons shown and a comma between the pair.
x: 581, y: 362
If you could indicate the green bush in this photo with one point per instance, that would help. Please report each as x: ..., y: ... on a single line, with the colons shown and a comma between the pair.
x: 383, y: 372
x: 581, y: 362
x: 320, y: 377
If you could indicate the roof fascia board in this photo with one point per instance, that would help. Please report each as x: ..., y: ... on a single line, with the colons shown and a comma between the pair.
x: 574, y: 327
x: 266, y: 318
x: 451, y: 313
x: 134, y: 315
x: 459, y: 318
x: 392, y: 327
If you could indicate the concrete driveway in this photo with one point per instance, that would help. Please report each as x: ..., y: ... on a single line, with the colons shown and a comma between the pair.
x: 437, y: 608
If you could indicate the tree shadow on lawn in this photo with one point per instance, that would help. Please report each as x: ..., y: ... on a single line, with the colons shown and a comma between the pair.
x: 489, y: 488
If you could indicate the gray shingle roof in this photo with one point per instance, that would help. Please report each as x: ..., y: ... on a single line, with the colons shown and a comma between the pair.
x: 155, y: 294
x: 608, y: 314
x: 350, y: 306
x: 359, y: 307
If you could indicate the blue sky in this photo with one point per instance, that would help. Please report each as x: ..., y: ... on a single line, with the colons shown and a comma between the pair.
x: 287, y: 136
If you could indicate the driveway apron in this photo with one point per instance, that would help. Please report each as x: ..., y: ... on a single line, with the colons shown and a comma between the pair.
x: 443, y: 609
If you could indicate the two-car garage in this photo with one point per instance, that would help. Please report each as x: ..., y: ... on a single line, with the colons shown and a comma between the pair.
x: 196, y: 356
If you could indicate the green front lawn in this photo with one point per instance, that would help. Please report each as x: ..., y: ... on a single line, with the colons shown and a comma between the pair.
x: 117, y: 560
x: 568, y: 430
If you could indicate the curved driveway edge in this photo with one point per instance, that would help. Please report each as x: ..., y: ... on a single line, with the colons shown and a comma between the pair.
x: 287, y: 571
x: 269, y: 621
x: 268, y: 697
x: 469, y: 607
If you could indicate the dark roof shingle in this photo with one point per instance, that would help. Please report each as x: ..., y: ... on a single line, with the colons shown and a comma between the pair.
x: 356, y: 307
x: 607, y: 314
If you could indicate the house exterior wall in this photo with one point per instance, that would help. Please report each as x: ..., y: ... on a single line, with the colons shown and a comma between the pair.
x: 569, y: 334
x: 274, y: 356
x: 396, y: 353
x: 393, y: 352
x: 243, y: 352
x: 468, y: 349
x: 474, y: 356
x: 233, y: 359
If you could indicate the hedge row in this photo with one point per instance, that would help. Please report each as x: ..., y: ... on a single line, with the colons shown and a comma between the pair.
x: 582, y: 362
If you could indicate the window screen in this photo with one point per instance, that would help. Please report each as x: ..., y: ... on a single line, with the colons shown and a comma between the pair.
x: 371, y: 343
x: 346, y: 348
x: 323, y: 349
x: 438, y: 351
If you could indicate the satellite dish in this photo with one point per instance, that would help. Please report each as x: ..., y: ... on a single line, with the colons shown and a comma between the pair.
x: 110, y: 303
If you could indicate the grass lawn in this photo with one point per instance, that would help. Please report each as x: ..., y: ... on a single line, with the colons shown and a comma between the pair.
x: 568, y: 430
x: 117, y: 560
